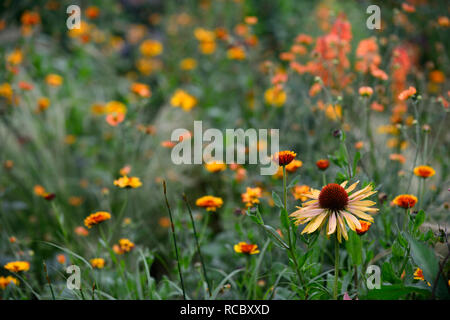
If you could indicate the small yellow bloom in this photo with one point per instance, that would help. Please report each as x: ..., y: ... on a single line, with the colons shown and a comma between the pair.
x: 124, y: 246
x: 128, y: 182
x: 183, y: 99
x: 15, y: 57
x: 236, y: 53
x: 215, y: 166
x: 115, y: 107
x: 247, y: 248
x: 275, y: 96
x: 5, y: 281
x: 188, y: 64
x: 17, y: 266
x: 424, y: 171
x: 251, y: 196
x: 96, y: 218
x: 299, y: 192
x: 98, y: 263
x: 151, y: 48
x: 54, y: 80
x: 211, y: 203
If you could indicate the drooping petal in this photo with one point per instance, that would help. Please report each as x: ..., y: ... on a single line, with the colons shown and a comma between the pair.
x: 342, y: 226
x: 360, y: 214
x: 331, y: 224
x: 314, y: 224
x: 351, y: 220
x: 352, y: 187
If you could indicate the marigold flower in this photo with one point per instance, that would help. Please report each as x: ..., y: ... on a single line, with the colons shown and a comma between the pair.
x: 365, y: 91
x: 335, y: 204
x: 251, y: 196
x: 15, y: 58
x: 247, y: 248
x: 183, y: 99
x: 406, y: 94
x: 299, y: 192
x: 75, y: 201
x: 92, y: 12
x: 17, y: 266
x: 211, y: 203
x: 96, y: 218
x: 283, y: 158
x: 437, y: 76
x: 151, y: 48
x: 5, y: 281
x: 164, y: 222
x: 128, y: 182
x: 97, y: 263
x: 424, y: 171
x: 405, y: 201
x: 141, y: 89
x: 30, y: 18
x: 365, y: 226
x: 215, y: 166
x: 275, y: 96
x: 323, y: 164
x: 54, y: 80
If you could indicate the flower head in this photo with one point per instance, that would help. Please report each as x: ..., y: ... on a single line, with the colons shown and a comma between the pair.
x: 141, y: 89
x: 365, y: 226
x: 323, y: 164
x: 211, y: 203
x: 337, y: 205
x: 5, y: 281
x: 283, y: 158
x: 97, y: 263
x: 275, y: 96
x: 405, y: 201
x: 183, y: 100
x: 128, y: 182
x: 247, y: 248
x: 251, y: 196
x: 406, y: 94
x: 424, y: 171
x: 124, y: 246
x: 365, y: 91
x: 96, y: 218
x: 294, y: 165
x: 17, y: 266
x: 215, y: 166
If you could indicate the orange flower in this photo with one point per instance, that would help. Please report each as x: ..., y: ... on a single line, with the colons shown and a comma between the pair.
x: 418, y: 275
x: 211, y: 203
x: 151, y: 48
x: 5, y: 281
x: 183, y: 100
x: 61, y: 258
x: 17, y: 266
x: 322, y: 164
x: 115, y: 119
x: 128, y: 182
x: 96, y: 218
x: 437, y: 76
x: 188, y: 64
x: 251, y: 196
x: 30, y: 18
x: 406, y: 94
x: 408, y: 7
x: 164, y: 222
x: 405, y: 201
x: 397, y: 157
x: 92, y: 12
x: 275, y: 96
x: 81, y: 231
x: 283, y: 158
x: 54, y: 80
x: 365, y: 91
x: 141, y: 89
x: 43, y: 104
x: 75, y: 201
x: 294, y: 165
x: 365, y: 226
x: 97, y: 263
x: 300, y: 191
x: 247, y: 248
x: 124, y: 246
x: 215, y: 166
x: 236, y: 53
x: 424, y: 171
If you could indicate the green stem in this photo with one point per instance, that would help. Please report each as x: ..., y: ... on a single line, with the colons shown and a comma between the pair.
x: 336, y: 268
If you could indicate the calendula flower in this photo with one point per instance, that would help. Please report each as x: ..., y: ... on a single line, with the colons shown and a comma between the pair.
x: 96, y: 218
x: 283, y: 158
x: 247, y: 248
x: 128, y: 182
x: 406, y: 94
x: 15, y: 57
x: 5, y: 281
x: 405, y: 201
x: 151, y: 48
x: 322, y: 164
x: 54, y: 80
x: 141, y: 89
x: 17, y: 266
x: 365, y: 226
x: 275, y: 96
x: 215, y: 166
x: 183, y: 100
x: 97, y: 263
x: 251, y: 196
x: 365, y: 91
x: 335, y: 204
x: 211, y: 203
x: 424, y: 171
x: 299, y: 192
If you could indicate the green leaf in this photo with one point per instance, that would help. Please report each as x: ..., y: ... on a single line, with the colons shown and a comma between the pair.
x: 388, y: 274
x: 277, y: 200
x: 293, y: 182
x: 394, y: 292
x: 356, y: 160
x: 419, y: 219
x: 354, y: 247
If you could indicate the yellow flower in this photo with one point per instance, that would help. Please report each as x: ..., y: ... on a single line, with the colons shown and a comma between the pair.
x: 211, y: 203
x: 151, y: 48
x: 15, y: 57
x: 115, y: 107
x: 183, y: 99
x: 97, y: 263
x: 405, y: 201
x: 333, y: 113
x: 124, y: 246
x: 247, y: 248
x: 17, y: 266
x: 54, y: 80
x: 128, y: 182
x: 98, y: 109
x: 236, y: 53
x: 6, y: 91
x: 335, y: 204
x: 207, y: 41
x: 188, y: 64
x: 251, y: 196
x: 5, y: 281
x: 275, y: 96
x: 43, y: 104
x: 215, y: 166
x: 299, y: 192
x: 424, y: 171
x: 96, y: 218
x: 418, y: 275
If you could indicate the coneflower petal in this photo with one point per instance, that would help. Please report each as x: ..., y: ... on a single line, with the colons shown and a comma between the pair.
x: 351, y: 220
x: 331, y: 224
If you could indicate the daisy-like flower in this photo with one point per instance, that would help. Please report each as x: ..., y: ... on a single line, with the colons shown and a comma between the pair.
x: 294, y: 165
x: 365, y: 91
x: 124, y: 246
x: 17, y: 266
x: 335, y: 204
x: 215, y: 166
x: 406, y: 94
x: 323, y: 164
x: 424, y: 171
x: 283, y: 158
x: 251, y: 196
x: 5, y: 281
x: 365, y: 226
x: 211, y: 203
x: 97, y: 263
x: 96, y: 218
x: 128, y: 182
x: 247, y: 248
x: 405, y: 201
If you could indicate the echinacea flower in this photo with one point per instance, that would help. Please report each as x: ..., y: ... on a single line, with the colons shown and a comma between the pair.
x: 405, y: 201
x: 322, y: 164
x: 211, y: 203
x: 5, y: 281
x: 246, y: 248
x: 17, y: 266
x: 335, y: 204
x: 283, y: 158
x: 251, y: 196
x: 97, y: 263
x: 424, y: 171
x: 128, y: 182
x: 365, y: 226
x: 96, y: 218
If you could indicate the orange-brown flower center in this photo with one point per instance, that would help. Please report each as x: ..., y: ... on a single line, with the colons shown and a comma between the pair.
x: 333, y: 197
